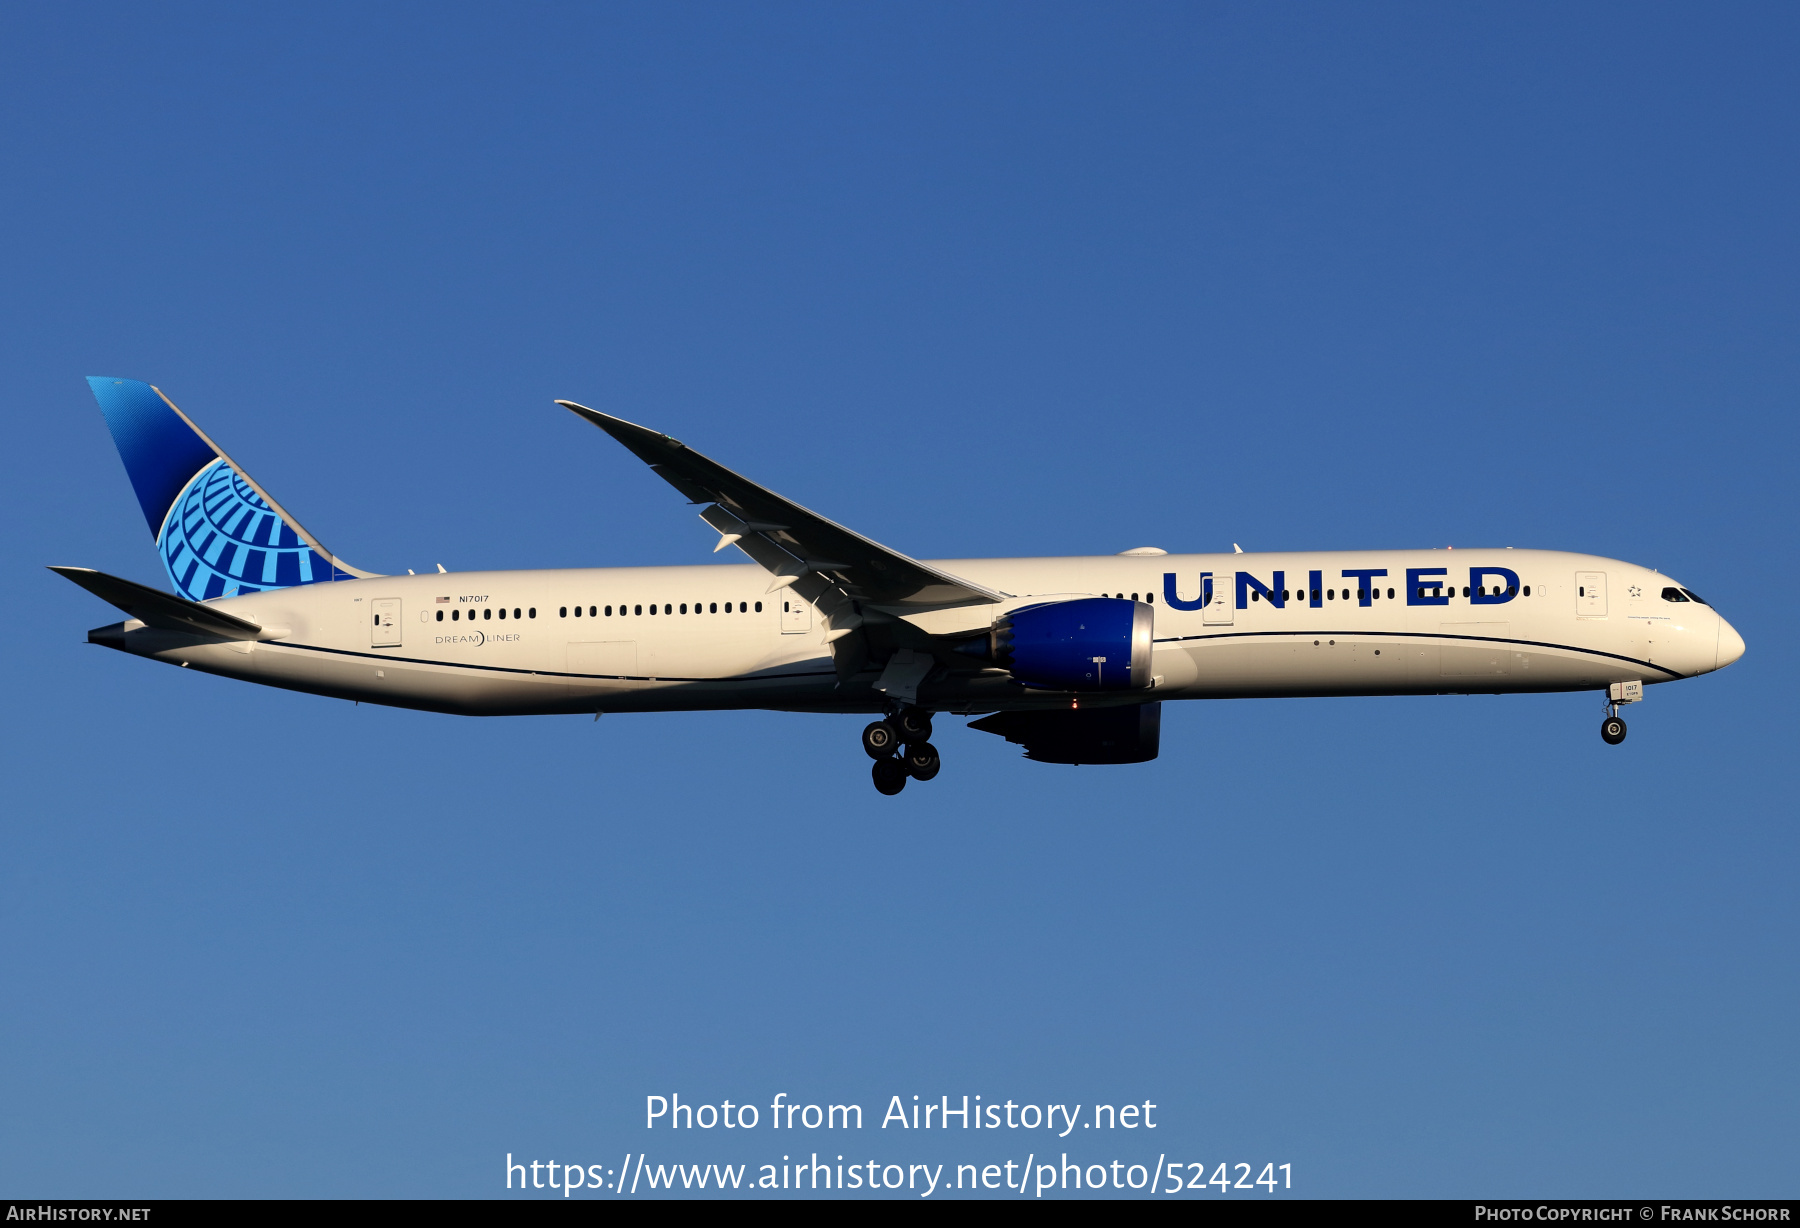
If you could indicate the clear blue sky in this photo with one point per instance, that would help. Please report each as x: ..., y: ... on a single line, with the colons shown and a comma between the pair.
x: 995, y: 279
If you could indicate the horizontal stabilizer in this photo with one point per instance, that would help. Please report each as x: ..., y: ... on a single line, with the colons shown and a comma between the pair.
x: 155, y: 608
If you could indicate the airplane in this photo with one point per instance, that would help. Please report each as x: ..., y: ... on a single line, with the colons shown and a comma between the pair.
x: 1070, y: 658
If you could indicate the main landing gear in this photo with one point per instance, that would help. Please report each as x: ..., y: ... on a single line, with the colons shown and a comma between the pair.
x: 883, y: 740
x: 1612, y: 729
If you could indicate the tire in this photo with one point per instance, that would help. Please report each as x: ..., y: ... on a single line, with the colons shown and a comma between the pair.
x: 889, y: 776
x: 914, y: 725
x: 881, y: 740
x: 1612, y: 730
x: 921, y: 761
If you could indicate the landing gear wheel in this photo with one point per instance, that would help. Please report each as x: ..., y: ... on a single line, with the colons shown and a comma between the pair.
x: 889, y: 776
x: 914, y: 725
x: 1612, y: 731
x: 881, y: 740
x: 921, y: 761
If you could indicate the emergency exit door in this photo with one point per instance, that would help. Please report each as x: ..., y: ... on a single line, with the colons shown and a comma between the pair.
x: 1590, y: 594
x: 386, y: 630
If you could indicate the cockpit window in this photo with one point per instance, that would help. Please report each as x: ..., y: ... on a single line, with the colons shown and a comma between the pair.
x: 1673, y: 594
x: 1693, y: 596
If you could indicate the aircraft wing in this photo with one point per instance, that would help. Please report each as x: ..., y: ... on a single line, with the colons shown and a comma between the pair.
x: 794, y: 544
x: 155, y: 608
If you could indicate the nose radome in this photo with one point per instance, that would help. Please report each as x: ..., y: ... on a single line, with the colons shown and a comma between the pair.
x: 1731, y: 645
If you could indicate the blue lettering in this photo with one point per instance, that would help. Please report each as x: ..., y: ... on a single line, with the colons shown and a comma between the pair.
x: 1246, y: 582
x: 1174, y: 599
x: 1507, y: 591
x: 1363, y: 586
x: 1415, y: 590
x: 1315, y: 582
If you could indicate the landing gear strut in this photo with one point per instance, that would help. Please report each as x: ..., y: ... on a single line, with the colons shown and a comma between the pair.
x: 883, y: 740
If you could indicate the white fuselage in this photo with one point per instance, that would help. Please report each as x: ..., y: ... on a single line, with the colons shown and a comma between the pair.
x: 510, y: 642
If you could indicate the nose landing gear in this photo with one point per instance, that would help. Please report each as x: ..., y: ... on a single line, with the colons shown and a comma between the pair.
x: 1612, y: 729
x: 883, y: 740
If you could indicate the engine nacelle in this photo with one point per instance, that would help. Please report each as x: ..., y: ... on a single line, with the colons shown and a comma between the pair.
x: 1088, y: 644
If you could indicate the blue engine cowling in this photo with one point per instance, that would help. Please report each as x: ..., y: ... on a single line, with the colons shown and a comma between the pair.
x: 1089, y: 644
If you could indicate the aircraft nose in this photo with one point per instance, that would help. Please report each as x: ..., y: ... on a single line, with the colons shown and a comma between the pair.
x: 1731, y: 645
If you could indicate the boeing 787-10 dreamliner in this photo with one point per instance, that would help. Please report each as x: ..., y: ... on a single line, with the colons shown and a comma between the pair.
x: 1069, y: 657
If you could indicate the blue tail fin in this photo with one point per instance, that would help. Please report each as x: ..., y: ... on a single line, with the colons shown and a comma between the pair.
x: 219, y: 533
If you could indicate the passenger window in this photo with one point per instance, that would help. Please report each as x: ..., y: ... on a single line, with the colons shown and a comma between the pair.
x: 1134, y: 596
x: 1672, y: 594
x: 758, y: 607
x: 440, y: 616
x: 1390, y: 594
x: 593, y: 611
x: 455, y: 614
x: 1255, y: 596
x: 638, y: 609
x: 502, y: 611
x: 1465, y: 590
x: 652, y: 609
x: 684, y: 607
x: 577, y: 611
x: 531, y: 612
x: 715, y: 608
x: 562, y: 611
x: 1149, y: 598
x: 667, y: 610
x: 487, y: 613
